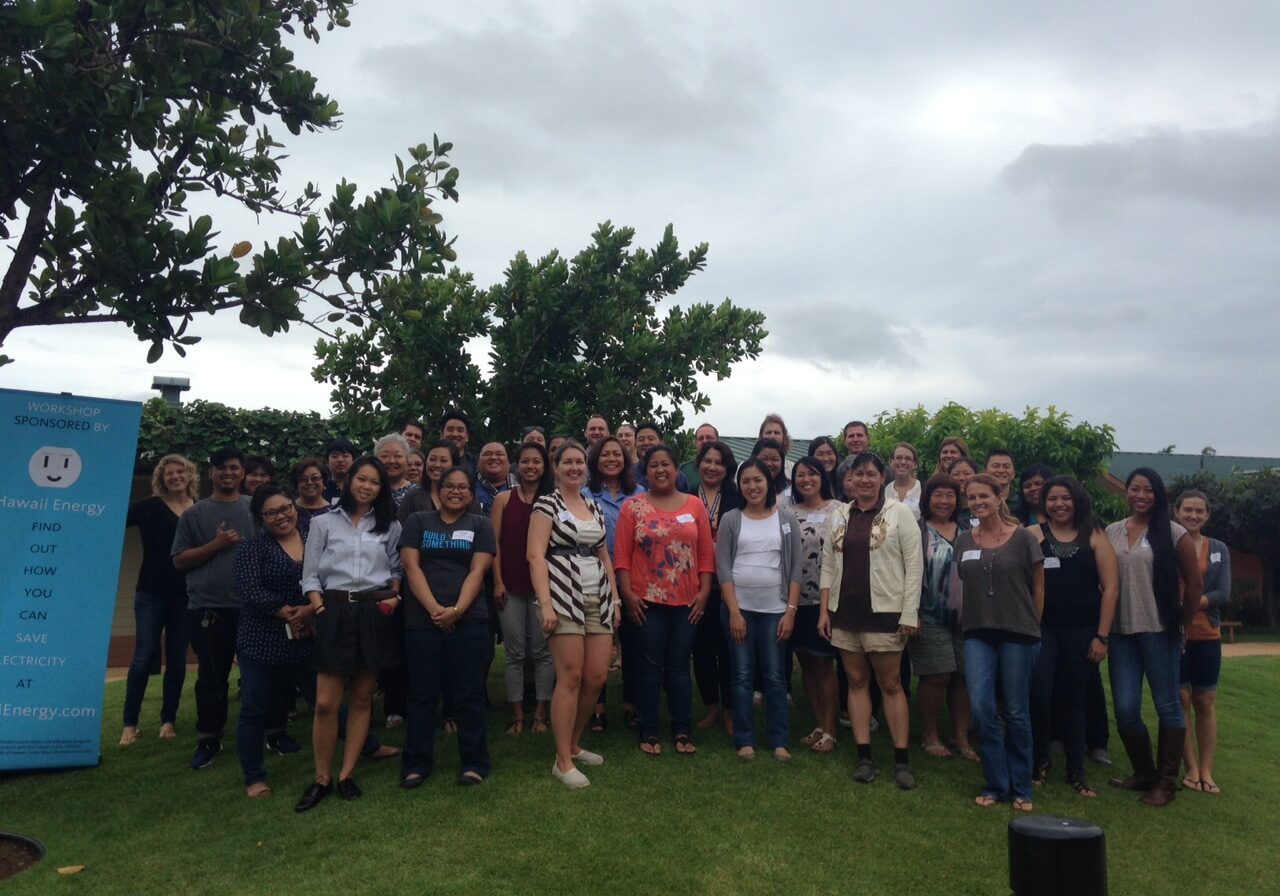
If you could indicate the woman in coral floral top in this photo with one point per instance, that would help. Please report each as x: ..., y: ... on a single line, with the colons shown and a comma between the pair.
x: 664, y: 557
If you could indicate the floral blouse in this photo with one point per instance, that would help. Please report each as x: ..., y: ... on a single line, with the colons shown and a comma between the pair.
x: 813, y: 527
x: 665, y: 552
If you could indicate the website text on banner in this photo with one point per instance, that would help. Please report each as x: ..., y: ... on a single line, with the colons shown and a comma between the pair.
x: 64, y: 492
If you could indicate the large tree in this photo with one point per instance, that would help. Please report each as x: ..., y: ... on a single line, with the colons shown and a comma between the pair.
x: 115, y: 114
x: 568, y: 337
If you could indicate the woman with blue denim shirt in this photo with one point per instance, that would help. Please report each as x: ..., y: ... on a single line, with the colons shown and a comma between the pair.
x: 759, y: 563
x: 1001, y: 570
x: 1153, y: 553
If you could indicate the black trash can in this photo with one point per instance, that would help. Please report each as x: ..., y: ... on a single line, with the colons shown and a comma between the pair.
x: 1051, y: 856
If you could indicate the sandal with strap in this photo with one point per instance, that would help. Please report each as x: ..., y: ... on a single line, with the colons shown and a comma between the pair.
x: 650, y: 746
x: 1081, y: 786
x: 1021, y: 805
x: 684, y: 746
x: 985, y: 800
x: 539, y: 725
x: 516, y: 727
x: 1041, y: 774
x: 1209, y: 787
x: 1190, y: 783
x: 936, y: 748
x: 969, y: 754
x: 824, y: 744
x: 812, y: 737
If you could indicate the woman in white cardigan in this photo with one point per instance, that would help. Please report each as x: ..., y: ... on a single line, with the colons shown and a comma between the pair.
x: 872, y: 568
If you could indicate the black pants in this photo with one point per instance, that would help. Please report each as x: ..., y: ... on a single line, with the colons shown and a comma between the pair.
x: 711, y: 657
x: 213, y: 638
x: 1060, y: 682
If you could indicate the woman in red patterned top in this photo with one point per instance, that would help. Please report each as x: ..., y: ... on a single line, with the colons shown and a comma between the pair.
x: 664, y: 558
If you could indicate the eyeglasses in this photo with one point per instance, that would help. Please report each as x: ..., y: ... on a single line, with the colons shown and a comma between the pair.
x: 311, y: 480
x: 282, y: 514
x: 455, y: 487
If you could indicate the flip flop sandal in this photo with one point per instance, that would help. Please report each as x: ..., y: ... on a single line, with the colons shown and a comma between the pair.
x: 985, y: 800
x: 684, y: 746
x: 824, y: 744
x: 812, y: 737
x: 969, y: 754
x: 539, y: 725
x: 1023, y: 806
x: 516, y: 727
x: 650, y: 746
x: 1210, y: 787
x: 937, y: 749
x: 1190, y: 783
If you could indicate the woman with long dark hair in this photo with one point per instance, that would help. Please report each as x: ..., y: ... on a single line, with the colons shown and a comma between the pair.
x: 813, y: 503
x: 1080, y: 589
x: 1156, y: 559
x: 1202, y: 658
x: 717, y: 468
x: 513, y: 588
x: 773, y: 454
x: 351, y: 576
x: 664, y: 559
x: 759, y: 564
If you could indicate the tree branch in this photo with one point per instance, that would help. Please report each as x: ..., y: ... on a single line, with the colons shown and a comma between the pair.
x: 24, y: 255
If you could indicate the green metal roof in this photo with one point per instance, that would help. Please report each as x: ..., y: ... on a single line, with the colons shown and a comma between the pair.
x: 1170, y: 466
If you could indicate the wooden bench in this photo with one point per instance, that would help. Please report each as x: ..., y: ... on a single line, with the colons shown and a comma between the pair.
x: 1230, y: 629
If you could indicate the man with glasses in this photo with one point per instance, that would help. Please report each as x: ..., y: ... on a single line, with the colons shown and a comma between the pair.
x: 203, y: 548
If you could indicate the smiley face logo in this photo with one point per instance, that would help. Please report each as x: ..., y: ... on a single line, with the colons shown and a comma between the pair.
x: 55, y: 467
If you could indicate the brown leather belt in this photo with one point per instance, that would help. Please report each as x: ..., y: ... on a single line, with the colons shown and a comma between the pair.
x: 355, y: 596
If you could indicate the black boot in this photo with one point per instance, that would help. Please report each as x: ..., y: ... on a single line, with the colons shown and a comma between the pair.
x: 1137, y: 743
x: 1168, y: 761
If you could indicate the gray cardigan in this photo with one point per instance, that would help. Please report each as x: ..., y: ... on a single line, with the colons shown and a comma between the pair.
x: 792, y: 569
x: 1217, y: 581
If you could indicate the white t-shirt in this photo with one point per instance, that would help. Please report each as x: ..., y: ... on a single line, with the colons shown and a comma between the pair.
x: 757, y: 567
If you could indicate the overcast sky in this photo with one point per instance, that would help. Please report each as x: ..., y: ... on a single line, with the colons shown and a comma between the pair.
x: 996, y: 204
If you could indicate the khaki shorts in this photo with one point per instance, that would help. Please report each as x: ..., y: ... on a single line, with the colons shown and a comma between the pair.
x: 867, y: 642
x: 566, y: 626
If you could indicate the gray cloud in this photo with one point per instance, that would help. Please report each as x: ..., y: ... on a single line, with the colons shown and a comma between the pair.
x: 1233, y: 168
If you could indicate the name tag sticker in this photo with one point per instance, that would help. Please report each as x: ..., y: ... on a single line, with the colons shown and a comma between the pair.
x: 817, y: 517
x: 566, y: 516
x: 1144, y: 544
x: 973, y: 523
x: 786, y: 528
x: 1215, y: 557
x: 464, y: 535
x: 685, y: 518
x: 970, y: 555
x: 1052, y: 563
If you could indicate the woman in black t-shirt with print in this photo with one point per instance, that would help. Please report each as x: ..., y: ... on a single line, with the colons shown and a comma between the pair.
x: 446, y: 554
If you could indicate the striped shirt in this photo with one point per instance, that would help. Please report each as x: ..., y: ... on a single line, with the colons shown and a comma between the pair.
x: 564, y: 574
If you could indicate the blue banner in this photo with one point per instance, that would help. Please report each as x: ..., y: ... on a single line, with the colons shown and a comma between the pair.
x: 64, y: 493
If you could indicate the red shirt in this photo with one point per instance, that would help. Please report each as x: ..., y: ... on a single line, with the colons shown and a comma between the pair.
x: 665, y: 552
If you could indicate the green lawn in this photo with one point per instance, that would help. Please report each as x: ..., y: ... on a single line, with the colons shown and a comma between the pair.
x: 143, y: 823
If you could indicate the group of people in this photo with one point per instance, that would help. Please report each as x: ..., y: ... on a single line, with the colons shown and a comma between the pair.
x: 402, y: 567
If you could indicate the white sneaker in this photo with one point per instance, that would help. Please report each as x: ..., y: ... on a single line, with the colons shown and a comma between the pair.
x: 875, y: 724
x: 586, y: 757
x: 573, y: 779
x: 757, y: 698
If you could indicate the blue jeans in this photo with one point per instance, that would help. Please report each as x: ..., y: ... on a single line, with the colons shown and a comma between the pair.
x: 263, y: 687
x: 154, y: 614
x: 666, y: 640
x: 1154, y: 655
x: 762, y: 651
x: 1006, y: 756
x: 456, y: 660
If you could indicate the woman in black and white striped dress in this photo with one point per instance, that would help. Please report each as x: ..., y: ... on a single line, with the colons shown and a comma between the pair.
x: 573, y: 580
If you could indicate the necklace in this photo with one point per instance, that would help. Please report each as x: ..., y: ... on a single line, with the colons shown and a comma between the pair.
x: 712, y: 508
x: 987, y: 562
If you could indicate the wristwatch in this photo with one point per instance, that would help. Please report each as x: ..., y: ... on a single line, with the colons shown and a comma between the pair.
x: 1101, y: 639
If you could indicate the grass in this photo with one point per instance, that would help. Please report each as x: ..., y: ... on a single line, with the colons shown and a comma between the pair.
x: 143, y: 823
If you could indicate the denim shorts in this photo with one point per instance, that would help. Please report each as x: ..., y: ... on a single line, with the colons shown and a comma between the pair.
x: 1201, y: 664
x: 805, y: 638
